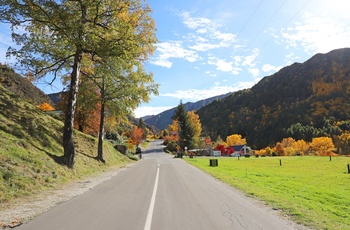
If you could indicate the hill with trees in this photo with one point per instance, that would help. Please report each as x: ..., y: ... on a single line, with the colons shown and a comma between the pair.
x: 163, y: 119
x: 302, y: 101
x: 22, y: 86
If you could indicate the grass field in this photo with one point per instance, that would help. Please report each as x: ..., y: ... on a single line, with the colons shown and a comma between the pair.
x: 314, y: 191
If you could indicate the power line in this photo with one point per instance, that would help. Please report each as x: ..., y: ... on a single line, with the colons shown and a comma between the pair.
x: 267, y: 22
x: 300, y: 9
x: 244, y: 26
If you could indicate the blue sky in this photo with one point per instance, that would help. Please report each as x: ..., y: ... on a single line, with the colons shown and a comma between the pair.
x: 208, y: 48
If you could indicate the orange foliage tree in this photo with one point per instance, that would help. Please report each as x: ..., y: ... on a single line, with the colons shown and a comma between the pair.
x: 173, y: 130
x: 45, y: 107
x: 136, y: 135
x: 279, y: 149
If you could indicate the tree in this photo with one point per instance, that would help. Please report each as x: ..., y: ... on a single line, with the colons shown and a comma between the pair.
x: 45, y: 107
x: 142, y: 125
x: 59, y: 35
x: 136, y: 135
x: 301, y: 147
x: 196, y: 127
x: 123, y: 85
x: 235, y: 139
x: 185, y: 129
x: 342, y: 143
x: 88, y: 108
x: 279, y: 149
x: 322, y: 145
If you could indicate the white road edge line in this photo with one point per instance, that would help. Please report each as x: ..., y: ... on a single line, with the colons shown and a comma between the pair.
x: 151, y: 207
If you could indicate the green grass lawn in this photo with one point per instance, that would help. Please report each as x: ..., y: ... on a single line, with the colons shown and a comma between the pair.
x: 313, y: 190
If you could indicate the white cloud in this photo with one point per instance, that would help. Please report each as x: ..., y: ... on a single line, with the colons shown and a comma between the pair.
x: 204, y: 36
x: 254, y: 71
x: 207, y: 35
x: 198, y: 22
x: 221, y: 65
x: 236, y: 71
x: 318, y: 34
x: 269, y: 68
x: 172, y: 49
x: 250, y: 60
x: 196, y: 94
x: 149, y: 110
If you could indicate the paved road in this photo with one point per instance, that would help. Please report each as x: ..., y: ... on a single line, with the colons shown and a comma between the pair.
x: 159, y: 193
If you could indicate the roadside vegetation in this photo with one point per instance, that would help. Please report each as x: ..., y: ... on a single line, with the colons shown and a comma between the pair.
x: 31, y: 151
x: 313, y: 190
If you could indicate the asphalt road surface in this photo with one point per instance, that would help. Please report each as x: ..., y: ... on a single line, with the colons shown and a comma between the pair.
x: 159, y: 193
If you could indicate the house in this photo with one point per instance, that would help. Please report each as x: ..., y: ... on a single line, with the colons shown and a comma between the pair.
x: 241, y: 150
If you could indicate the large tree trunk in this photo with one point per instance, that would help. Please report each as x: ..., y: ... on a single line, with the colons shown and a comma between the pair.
x: 68, y: 144
x: 101, y: 134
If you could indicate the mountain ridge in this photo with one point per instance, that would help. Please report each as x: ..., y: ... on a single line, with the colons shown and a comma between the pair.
x: 305, y: 93
x: 163, y: 119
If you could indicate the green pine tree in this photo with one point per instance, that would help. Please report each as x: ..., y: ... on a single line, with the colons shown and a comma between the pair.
x: 185, y: 129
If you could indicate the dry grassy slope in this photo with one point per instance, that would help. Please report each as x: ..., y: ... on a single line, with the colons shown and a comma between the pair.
x: 30, y: 150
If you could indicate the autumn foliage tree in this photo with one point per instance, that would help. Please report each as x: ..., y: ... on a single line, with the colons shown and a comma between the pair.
x: 196, y: 126
x: 342, y: 143
x: 56, y: 37
x: 45, y: 107
x: 88, y: 109
x: 323, y: 146
x: 235, y: 139
x: 301, y: 147
x: 136, y: 135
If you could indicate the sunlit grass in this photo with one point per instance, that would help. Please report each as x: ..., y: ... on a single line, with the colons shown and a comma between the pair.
x: 313, y: 190
x: 31, y: 151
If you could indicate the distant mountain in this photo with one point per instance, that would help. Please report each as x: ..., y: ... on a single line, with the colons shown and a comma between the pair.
x: 162, y: 120
x: 55, y: 97
x: 302, y: 101
x: 22, y: 87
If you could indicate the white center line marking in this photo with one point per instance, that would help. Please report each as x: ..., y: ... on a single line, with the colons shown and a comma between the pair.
x: 151, y: 207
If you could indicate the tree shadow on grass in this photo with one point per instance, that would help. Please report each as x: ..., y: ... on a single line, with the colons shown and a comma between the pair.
x: 58, y: 159
x: 84, y: 154
x: 92, y: 157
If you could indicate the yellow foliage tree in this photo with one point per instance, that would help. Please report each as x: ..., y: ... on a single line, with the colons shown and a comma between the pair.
x: 287, y: 142
x: 301, y: 147
x: 342, y: 143
x: 196, y: 126
x: 235, y: 139
x: 322, y: 145
x: 45, y: 107
x: 264, y: 152
x: 173, y: 130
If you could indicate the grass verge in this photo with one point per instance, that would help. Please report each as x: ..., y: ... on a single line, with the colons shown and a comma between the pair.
x: 314, y: 191
x: 31, y: 150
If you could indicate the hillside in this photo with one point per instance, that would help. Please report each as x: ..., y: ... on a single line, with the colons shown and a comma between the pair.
x: 31, y: 150
x: 302, y: 101
x: 162, y: 120
x: 21, y: 86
